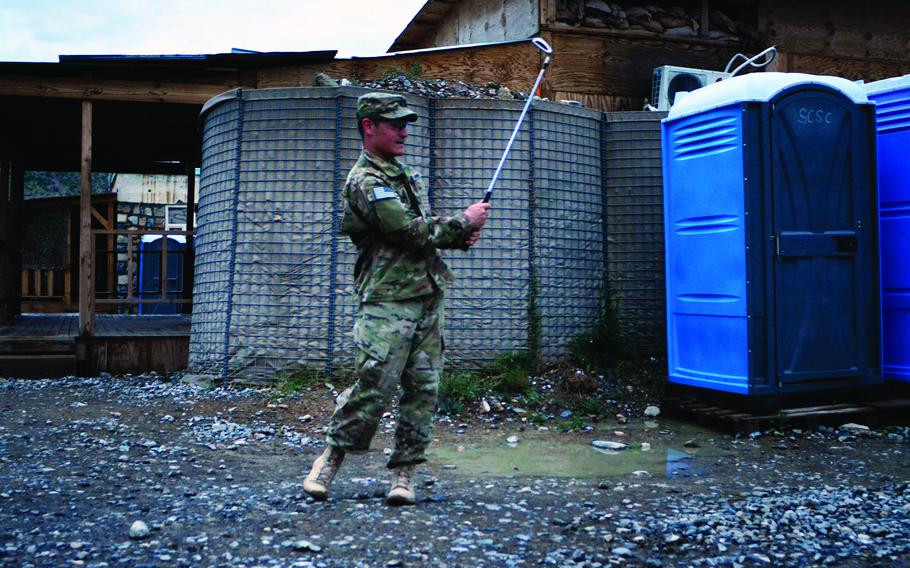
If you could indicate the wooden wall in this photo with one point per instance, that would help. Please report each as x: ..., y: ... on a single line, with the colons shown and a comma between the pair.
x: 513, y: 65
x: 482, y: 21
x: 869, y: 41
x: 119, y: 355
x: 611, y: 72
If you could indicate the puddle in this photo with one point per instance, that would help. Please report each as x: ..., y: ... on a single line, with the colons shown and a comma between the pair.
x: 549, y: 455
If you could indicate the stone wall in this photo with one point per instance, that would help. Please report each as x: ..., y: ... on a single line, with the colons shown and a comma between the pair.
x: 134, y: 216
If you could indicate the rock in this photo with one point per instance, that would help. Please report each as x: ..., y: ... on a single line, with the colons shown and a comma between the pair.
x: 139, y: 530
x: 621, y: 551
x: 198, y: 380
x: 305, y: 546
x: 622, y: 419
x: 323, y: 80
x: 669, y: 21
x: 598, y: 8
x: 512, y: 440
x: 652, y: 411
x: 653, y: 26
x: 608, y: 445
x: 853, y: 428
x: 485, y: 406
x: 691, y: 444
x: 681, y: 31
x: 720, y: 21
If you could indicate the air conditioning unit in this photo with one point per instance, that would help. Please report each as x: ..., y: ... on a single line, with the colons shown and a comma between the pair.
x: 669, y: 80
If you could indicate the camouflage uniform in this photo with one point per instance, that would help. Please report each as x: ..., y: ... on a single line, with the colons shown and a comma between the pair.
x: 399, y: 281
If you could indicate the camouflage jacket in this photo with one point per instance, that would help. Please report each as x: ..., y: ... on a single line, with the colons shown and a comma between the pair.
x: 395, y: 235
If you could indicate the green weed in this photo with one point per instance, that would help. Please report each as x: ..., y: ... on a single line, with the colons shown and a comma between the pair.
x: 509, y: 372
x: 592, y: 407
x: 532, y: 398
x: 457, y: 388
x: 414, y: 71
x: 538, y: 418
x: 602, y: 347
x: 575, y: 423
x: 292, y: 382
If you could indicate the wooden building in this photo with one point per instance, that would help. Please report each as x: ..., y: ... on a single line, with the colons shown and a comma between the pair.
x: 605, y: 52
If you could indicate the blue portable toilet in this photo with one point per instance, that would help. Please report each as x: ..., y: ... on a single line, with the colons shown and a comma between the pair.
x: 892, y: 111
x: 150, y: 252
x: 771, y: 236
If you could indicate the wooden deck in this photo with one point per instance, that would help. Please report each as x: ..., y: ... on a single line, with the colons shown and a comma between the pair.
x: 880, y: 411
x: 108, y: 325
x: 48, y: 345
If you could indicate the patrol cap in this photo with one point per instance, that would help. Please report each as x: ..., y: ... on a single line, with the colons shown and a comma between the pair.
x: 385, y: 106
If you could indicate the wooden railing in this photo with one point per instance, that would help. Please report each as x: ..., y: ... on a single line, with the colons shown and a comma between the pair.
x: 47, y: 284
x: 133, y: 238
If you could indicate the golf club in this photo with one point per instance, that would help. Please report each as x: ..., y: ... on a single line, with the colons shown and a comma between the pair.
x: 543, y: 46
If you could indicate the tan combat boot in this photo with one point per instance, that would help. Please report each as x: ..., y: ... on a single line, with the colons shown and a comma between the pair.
x: 324, y: 469
x: 402, y: 490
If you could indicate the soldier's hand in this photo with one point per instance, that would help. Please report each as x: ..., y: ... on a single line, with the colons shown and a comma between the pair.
x: 472, y: 239
x: 476, y: 215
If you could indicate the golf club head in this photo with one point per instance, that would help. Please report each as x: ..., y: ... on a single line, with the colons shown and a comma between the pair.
x: 542, y: 45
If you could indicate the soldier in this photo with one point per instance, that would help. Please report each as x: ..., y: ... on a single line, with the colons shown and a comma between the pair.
x: 399, y: 280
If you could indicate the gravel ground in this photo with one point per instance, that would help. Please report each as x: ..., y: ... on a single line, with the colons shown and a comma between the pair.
x: 215, y: 478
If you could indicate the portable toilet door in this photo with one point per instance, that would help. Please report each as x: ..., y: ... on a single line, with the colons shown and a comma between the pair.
x: 150, y: 281
x: 823, y: 220
x: 771, y: 236
x: 892, y: 112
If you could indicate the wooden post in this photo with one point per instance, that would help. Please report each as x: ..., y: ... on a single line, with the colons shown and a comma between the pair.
x: 15, y: 228
x: 129, y: 266
x: 86, y: 244
x: 6, y: 272
x: 705, y: 18
x: 110, y: 258
x: 162, y: 281
x: 189, y: 254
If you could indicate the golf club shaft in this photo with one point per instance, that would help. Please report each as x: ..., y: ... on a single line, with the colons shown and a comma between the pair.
x: 524, y: 111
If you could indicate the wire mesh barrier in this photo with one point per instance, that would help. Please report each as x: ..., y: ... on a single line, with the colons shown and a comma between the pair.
x: 634, y: 229
x: 274, y: 279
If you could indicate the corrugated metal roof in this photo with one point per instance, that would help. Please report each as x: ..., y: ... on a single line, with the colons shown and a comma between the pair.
x: 238, y: 58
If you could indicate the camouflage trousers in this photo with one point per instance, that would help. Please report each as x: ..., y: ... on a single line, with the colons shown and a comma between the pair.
x: 397, y: 343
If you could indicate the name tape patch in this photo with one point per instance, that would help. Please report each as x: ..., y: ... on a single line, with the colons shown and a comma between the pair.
x: 380, y: 193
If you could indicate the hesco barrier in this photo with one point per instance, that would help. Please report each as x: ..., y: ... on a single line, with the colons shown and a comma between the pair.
x: 635, y: 227
x: 273, y: 280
